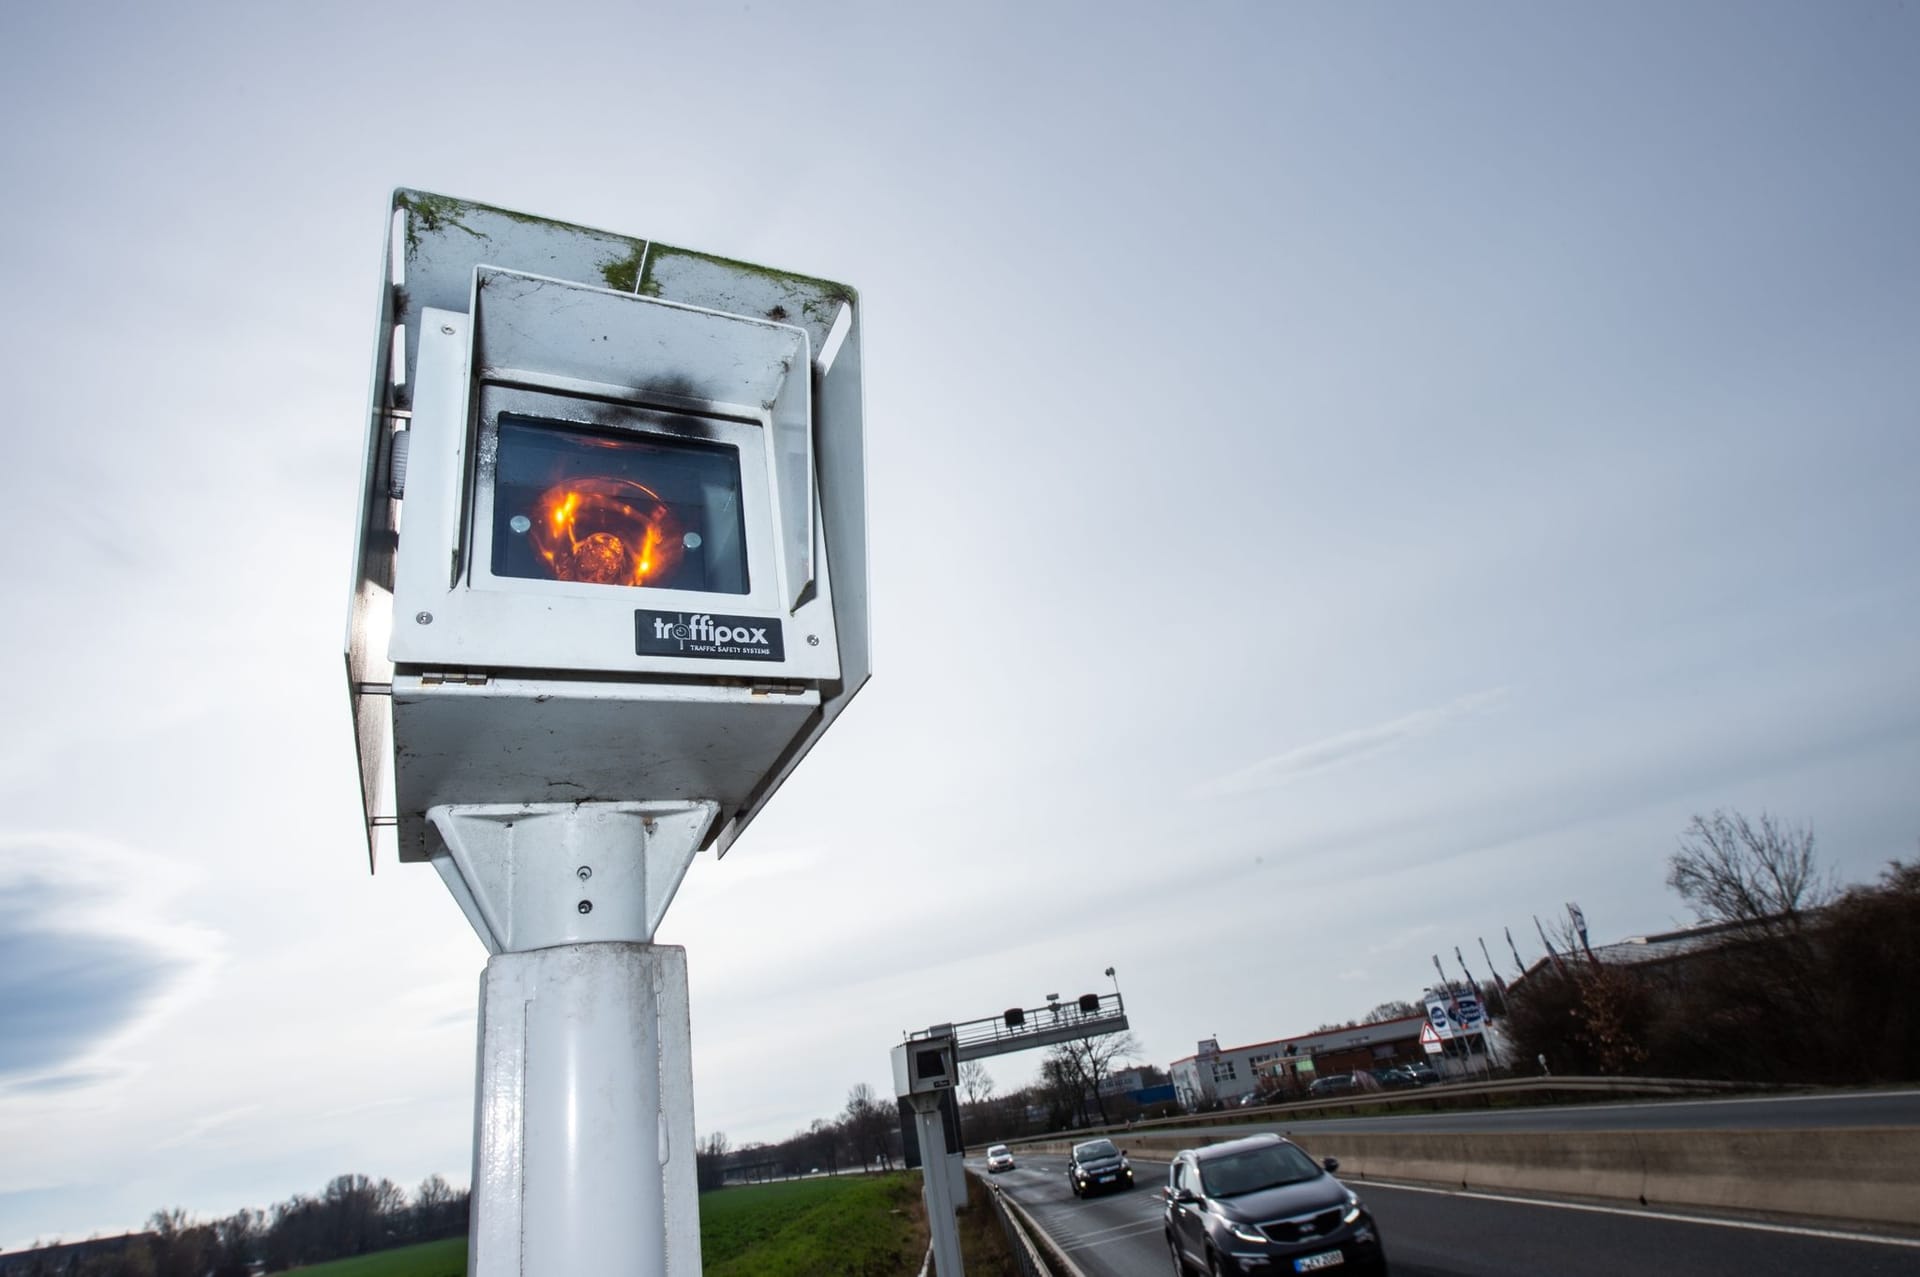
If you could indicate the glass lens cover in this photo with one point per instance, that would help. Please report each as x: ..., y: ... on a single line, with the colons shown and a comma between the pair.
x: 616, y: 507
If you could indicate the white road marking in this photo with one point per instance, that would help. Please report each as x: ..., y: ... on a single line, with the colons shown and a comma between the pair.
x: 1134, y: 1225
x: 1753, y: 1226
x: 1134, y: 1230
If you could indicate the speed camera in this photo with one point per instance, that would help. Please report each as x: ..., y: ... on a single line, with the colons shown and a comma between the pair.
x: 924, y: 1066
x: 613, y: 542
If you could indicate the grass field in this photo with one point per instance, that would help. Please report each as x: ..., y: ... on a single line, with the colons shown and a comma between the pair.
x: 845, y: 1225
x: 842, y: 1226
x: 429, y: 1259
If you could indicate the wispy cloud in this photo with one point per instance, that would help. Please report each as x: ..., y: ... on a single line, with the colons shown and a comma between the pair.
x: 88, y: 957
x: 1344, y: 748
x: 198, y: 1129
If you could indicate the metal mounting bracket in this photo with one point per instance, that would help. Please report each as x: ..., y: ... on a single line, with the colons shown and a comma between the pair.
x: 534, y: 875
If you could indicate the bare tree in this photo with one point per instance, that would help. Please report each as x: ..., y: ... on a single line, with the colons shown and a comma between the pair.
x: 1730, y: 870
x: 709, y: 1161
x: 1395, y: 1010
x: 869, y: 1125
x: 439, y: 1209
x: 181, y: 1247
x: 237, y: 1241
x: 434, y: 1191
x: 822, y: 1142
x: 357, y: 1213
x: 1087, y: 1062
x: 1062, y: 1090
x: 976, y: 1081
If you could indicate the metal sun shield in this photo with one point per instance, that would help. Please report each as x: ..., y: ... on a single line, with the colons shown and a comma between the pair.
x: 456, y: 668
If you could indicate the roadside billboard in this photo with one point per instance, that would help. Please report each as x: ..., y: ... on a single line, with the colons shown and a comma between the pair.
x: 1451, y: 1014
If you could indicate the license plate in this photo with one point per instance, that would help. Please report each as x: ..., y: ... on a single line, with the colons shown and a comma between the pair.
x: 1106, y: 1179
x: 1314, y: 1263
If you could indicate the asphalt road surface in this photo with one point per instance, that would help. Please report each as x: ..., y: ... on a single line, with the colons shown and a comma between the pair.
x: 1441, y: 1233
x: 1751, y: 1113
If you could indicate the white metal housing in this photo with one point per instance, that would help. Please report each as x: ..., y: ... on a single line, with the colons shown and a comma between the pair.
x: 489, y: 687
x: 924, y: 1066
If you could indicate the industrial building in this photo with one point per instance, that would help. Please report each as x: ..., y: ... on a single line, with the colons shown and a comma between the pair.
x: 1213, y: 1075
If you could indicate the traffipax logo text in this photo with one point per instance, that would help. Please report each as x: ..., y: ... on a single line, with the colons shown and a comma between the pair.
x: 707, y: 634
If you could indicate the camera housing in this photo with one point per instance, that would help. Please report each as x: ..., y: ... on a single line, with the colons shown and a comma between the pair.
x: 925, y: 1065
x: 612, y: 540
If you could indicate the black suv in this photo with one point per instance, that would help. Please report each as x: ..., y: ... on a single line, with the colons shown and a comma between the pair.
x: 1260, y: 1205
x: 1095, y: 1165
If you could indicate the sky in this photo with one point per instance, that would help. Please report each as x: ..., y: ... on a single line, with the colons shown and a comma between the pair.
x: 1343, y: 480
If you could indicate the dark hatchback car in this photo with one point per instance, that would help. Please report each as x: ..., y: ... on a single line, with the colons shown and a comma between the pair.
x: 1335, y: 1084
x: 1260, y: 1205
x: 1097, y: 1165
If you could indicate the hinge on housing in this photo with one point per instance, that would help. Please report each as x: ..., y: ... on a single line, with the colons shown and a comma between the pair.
x: 467, y: 678
x: 776, y: 689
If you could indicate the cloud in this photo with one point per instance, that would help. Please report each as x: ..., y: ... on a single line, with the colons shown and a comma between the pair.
x: 54, y: 1083
x: 61, y: 992
x: 1344, y: 748
x: 198, y: 1129
x: 88, y: 958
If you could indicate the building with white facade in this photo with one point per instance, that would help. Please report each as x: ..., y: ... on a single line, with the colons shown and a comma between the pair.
x: 1212, y: 1075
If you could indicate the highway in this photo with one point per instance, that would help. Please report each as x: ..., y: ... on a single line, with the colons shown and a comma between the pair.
x: 1441, y: 1233
x: 1747, y: 1113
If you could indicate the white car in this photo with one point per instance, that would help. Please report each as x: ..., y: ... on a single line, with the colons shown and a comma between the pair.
x: 999, y: 1159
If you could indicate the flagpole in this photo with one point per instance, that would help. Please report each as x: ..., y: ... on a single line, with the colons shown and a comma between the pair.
x: 1514, y: 949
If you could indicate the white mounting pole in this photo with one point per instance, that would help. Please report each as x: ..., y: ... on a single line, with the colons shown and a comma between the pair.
x: 936, y: 1185
x: 583, y: 1156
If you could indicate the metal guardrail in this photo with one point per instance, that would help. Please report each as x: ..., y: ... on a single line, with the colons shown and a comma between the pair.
x: 1447, y: 1095
x: 1020, y: 1231
x: 1543, y: 1089
x: 1026, y: 1256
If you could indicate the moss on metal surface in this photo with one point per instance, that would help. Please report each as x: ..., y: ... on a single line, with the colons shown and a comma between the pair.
x: 816, y: 294
x: 623, y: 273
x: 430, y: 214
x: 633, y: 271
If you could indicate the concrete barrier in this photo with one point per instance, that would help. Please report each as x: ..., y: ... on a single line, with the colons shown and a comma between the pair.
x: 1868, y: 1175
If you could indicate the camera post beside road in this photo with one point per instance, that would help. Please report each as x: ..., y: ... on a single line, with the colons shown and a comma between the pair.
x: 610, y: 588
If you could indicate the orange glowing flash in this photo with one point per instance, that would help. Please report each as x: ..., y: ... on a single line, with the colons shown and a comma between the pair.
x: 606, y: 532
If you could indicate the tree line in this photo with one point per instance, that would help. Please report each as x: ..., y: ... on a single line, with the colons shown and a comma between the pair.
x: 864, y: 1134
x: 351, y: 1216
x: 1793, y: 979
